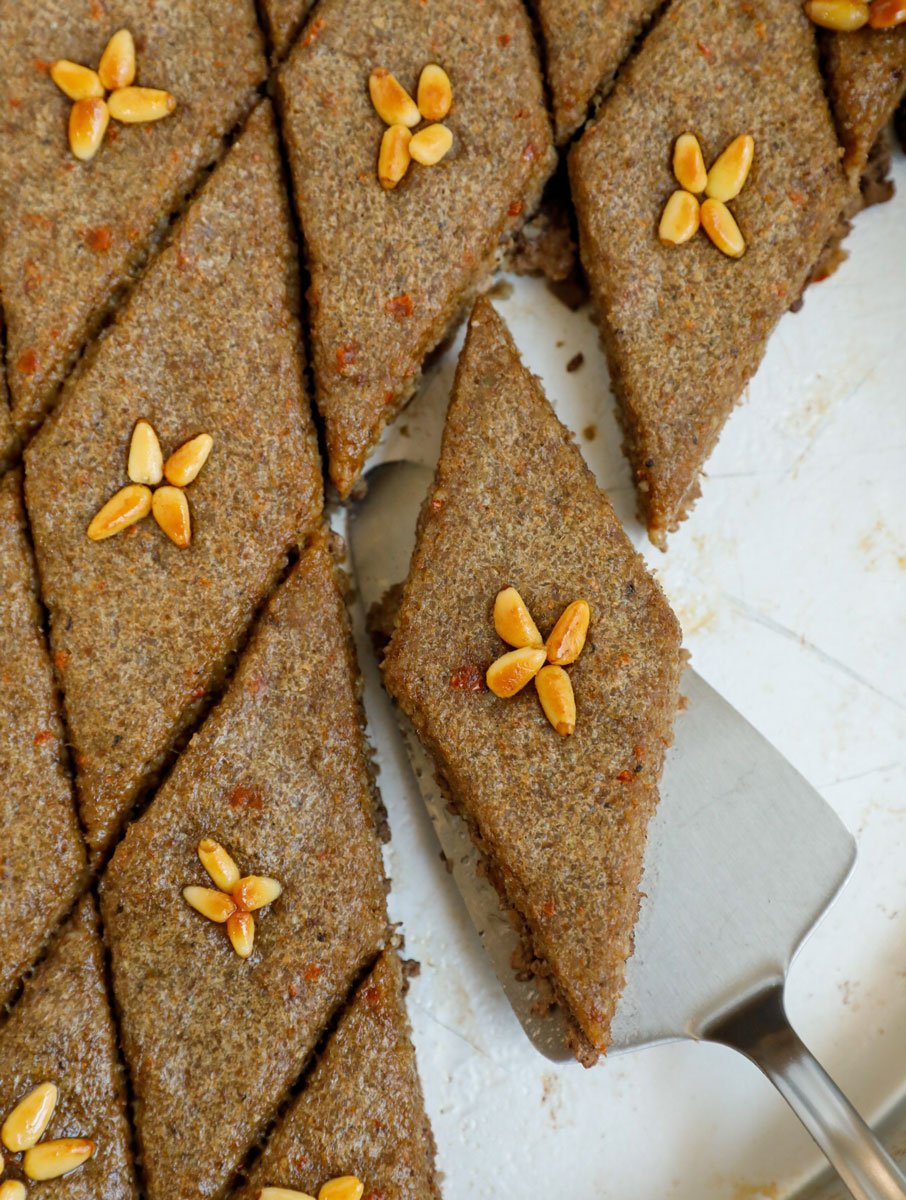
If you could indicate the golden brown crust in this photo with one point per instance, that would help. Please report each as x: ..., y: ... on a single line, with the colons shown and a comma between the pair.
x: 685, y: 327
x: 279, y: 776
x: 562, y: 821
x: 209, y: 342
x: 391, y: 271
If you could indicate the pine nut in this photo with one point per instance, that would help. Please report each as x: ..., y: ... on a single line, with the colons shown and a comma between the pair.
x: 841, y: 15
x: 430, y: 144
x: 170, y: 509
x: 135, y: 105
x: 512, y: 671
x: 680, y: 219
x: 28, y: 1120
x: 275, y: 1193
x: 513, y: 621
x: 555, y: 691
x: 146, y: 462
x: 346, y: 1187
x: 50, y: 1160
x: 435, y: 93
x: 720, y: 226
x: 88, y: 121
x: 241, y: 931
x: 886, y: 14
x: 567, y: 638
x: 117, y: 66
x: 183, y: 465
x: 394, y: 157
x: 210, y: 903
x: 730, y: 170
x: 689, y: 163
x: 13, y: 1190
x: 392, y: 102
x: 255, y: 891
x: 218, y: 864
x: 130, y: 504
x: 75, y: 81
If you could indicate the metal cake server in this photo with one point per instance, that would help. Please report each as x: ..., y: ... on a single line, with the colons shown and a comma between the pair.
x: 743, y: 858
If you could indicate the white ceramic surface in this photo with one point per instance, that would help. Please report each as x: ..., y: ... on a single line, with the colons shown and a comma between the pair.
x: 790, y: 582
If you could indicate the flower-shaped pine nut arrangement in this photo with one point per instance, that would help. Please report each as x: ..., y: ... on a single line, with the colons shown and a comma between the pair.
x: 235, y: 898
x: 533, y: 658
x: 401, y: 114
x: 93, y: 107
x: 146, y: 468
x: 683, y: 213
x: 21, y: 1134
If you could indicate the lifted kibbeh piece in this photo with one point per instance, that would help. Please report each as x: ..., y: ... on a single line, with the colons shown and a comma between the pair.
x: 209, y: 343
x: 585, y: 41
x: 42, y: 860
x: 73, y: 234
x: 61, y: 1034
x: 561, y: 820
x: 216, y: 1030
x: 361, y: 1111
x: 393, y: 268
x: 685, y: 327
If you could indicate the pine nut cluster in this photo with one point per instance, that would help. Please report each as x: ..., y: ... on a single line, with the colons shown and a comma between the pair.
x: 93, y: 108
x: 401, y: 114
x: 21, y: 1134
x: 845, y: 16
x: 344, y: 1187
x: 683, y: 213
x: 510, y: 673
x: 146, y: 468
x: 235, y: 898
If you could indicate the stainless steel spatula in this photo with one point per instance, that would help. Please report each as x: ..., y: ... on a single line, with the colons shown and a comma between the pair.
x: 743, y: 858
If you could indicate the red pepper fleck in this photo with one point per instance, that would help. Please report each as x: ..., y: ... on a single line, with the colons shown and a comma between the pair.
x: 15, y: 102
x: 312, y: 31
x: 197, y: 693
x: 626, y: 776
x: 373, y: 995
x: 310, y: 972
x: 399, y: 306
x: 96, y: 9
x: 797, y: 197
x: 515, y: 209
x: 42, y: 736
x: 27, y: 362
x: 706, y: 51
x: 61, y: 658
x: 42, y: 64
x: 346, y: 356
x: 530, y: 151
x: 100, y: 238
x: 504, y: 39
x: 245, y: 797
x: 549, y: 908
x: 520, y: 114
x: 468, y: 678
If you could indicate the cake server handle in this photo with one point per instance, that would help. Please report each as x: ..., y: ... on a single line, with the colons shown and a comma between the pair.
x: 762, y: 1032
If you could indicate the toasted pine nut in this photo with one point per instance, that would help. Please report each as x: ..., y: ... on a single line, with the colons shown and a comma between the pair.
x: 274, y: 1193
x: 512, y: 671
x: 430, y: 144
x: 50, y: 1160
x: 28, y: 1120
x: 435, y: 93
x: 346, y: 1187
x: 886, y: 14
x: 13, y: 1190
x: 130, y: 504
x: 135, y: 105
x: 170, y: 509
x: 680, y: 219
x: 567, y: 638
x: 720, y: 226
x: 555, y: 691
x: 393, y: 103
x: 689, y: 163
x: 241, y: 932
x: 218, y: 864
x: 183, y: 465
x: 75, y: 81
x: 88, y: 121
x: 254, y: 891
x: 513, y: 621
x: 117, y: 66
x: 842, y: 15
x: 146, y: 463
x: 394, y: 157
x: 210, y: 903
x: 731, y: 169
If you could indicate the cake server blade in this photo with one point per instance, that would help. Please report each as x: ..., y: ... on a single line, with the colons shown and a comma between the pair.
x: 743, y: 858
